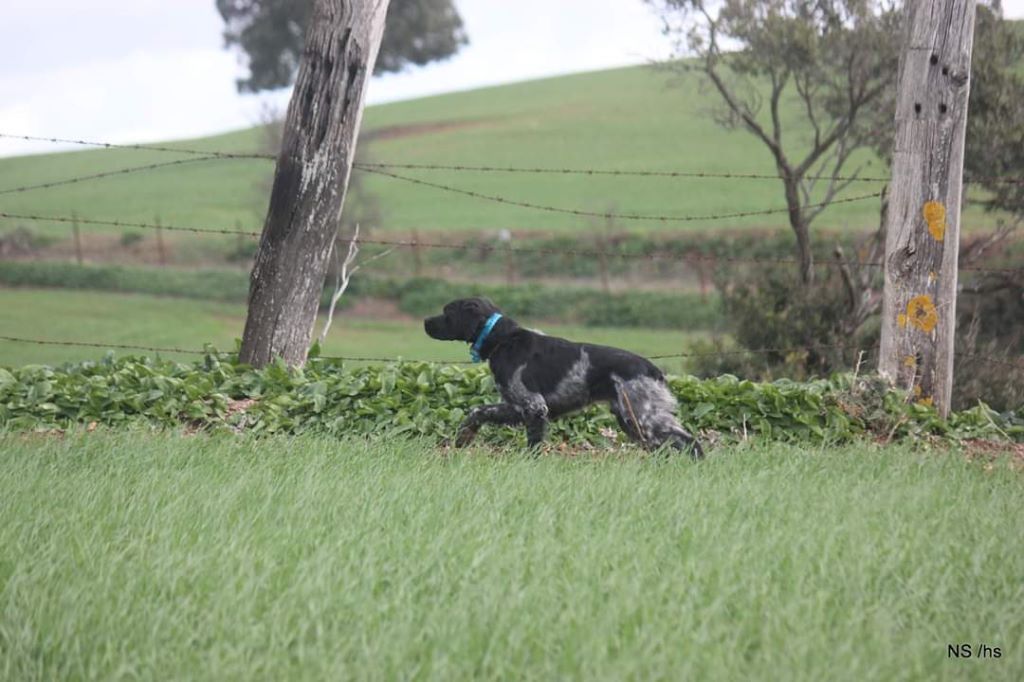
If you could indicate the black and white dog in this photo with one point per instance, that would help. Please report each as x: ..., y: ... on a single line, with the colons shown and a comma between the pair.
x: 543, y: 377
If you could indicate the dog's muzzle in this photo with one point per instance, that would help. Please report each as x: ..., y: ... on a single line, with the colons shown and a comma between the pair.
x: 436, y: 328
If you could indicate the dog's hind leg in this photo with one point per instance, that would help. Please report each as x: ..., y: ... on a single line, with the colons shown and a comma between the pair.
x: 626, y: 422
x: 502, y: 413
x: 535, y: 415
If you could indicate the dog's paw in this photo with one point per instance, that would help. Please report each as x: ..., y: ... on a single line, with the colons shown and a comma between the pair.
x: 465, y: 436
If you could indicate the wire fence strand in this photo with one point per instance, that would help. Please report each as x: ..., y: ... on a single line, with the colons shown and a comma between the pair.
x: 663, y: 356
x: 493, y: 248
x: 139, y: 147
x: 470, y: 168
x: 781, y: 350
x: 105, y: 174
x: 608, y: 214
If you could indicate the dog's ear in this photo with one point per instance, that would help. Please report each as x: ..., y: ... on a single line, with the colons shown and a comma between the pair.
x: 481, y: 305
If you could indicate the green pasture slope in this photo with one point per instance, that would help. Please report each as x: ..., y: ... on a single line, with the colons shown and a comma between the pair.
x: 133, y: 555
x: 629, y: 118
x: 64, y: 315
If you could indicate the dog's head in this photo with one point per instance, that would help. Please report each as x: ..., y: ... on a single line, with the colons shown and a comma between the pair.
x: 461, y: 320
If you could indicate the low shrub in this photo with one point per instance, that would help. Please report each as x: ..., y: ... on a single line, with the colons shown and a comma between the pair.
x: 990, y: 343
x: 205, y: 284
x: 22, y: 240
x: 818, y: 333
x: 430, y: 400
x: 655, y: 310
x: 809, y: 327
x: 130, y: 238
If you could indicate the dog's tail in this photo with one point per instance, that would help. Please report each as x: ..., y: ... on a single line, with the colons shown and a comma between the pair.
x: 648, y: 408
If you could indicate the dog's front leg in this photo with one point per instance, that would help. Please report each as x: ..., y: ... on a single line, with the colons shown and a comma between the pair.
x: 535, y: 415
x: 502, y: 413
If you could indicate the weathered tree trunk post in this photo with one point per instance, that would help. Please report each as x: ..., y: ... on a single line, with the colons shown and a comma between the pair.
x: 312, y: 175
x: 161, y: 251
x: 923, y: 224
x: 78, y: 237
x: 417, y: 256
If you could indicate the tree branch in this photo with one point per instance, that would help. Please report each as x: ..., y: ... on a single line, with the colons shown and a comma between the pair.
x: 345, y: 275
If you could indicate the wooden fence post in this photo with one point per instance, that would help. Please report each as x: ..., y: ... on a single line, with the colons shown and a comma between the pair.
x: 923, y: 224
x: 78, y: 237
x: 417, y: 256
x: 161, y: 252
x: 602, y: 261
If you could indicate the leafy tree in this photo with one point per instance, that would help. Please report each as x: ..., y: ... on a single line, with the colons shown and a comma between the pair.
x: 838, y: 58
x: 816, y: 52
x: 271, y: 33
x: 995, y: 112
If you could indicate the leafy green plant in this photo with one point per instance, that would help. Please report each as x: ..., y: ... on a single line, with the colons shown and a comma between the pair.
x: 421, y: 399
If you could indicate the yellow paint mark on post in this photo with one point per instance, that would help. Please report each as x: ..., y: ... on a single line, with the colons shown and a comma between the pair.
x: 921, y: 313
x: 901, y: 320
x: 927, y: 402
x: 935, y: 215
x: 909, y: 361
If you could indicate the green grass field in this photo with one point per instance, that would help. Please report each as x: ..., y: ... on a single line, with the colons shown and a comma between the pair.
x: 625, y: 118
x: 138, y: 555
x: 61, y: 315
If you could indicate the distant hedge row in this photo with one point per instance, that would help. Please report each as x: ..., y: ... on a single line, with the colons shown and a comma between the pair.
x: 207, y: 284
x: 414, y: 296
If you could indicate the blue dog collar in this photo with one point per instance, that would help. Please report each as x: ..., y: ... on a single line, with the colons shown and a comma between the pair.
x: 474, y: 352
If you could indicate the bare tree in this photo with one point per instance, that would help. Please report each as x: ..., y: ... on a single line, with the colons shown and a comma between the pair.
x: 836, y: 58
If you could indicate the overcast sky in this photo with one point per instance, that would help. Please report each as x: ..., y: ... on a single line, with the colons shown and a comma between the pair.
x: 153, y: 70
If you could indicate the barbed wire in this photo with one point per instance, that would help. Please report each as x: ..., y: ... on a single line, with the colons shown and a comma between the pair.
x: 165, y: 349
x: 139, y: 147
x: 105, y: 174
x: 124, y: 223
x: 593, y: 253
x: 607, y: 214
x: 613, y: 172
x: 490, y: 248
x: 108, y: 346
x: 464, y: 192
x: 368, y: 166
x: 781, y: 350
x: 665, y: 356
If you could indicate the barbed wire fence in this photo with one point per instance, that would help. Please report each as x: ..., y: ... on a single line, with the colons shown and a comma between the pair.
x: 384, y: 169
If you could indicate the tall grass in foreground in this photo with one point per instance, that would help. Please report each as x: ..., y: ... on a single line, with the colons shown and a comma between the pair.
x: 156, y: 556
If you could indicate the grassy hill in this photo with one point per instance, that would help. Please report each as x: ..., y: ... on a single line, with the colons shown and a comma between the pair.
x: 631, y: 118
x: 165, y: 321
